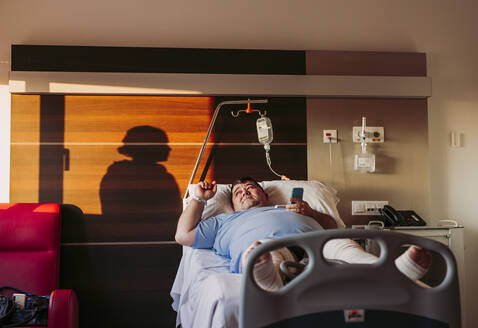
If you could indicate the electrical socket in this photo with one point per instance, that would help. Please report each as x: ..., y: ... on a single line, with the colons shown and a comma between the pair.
x: 367, y: 207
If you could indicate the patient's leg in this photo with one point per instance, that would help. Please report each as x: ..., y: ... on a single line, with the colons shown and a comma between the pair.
x: 414, y: 263
x: 266, y: 269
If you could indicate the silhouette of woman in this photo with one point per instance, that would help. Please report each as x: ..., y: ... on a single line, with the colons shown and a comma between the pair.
x: 140, y: 189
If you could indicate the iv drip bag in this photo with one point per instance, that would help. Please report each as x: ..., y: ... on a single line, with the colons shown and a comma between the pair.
x: 264, y: 130
x: 264, y: 135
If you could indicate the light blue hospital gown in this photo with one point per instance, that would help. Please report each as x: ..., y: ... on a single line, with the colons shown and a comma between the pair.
x: 229, y: 234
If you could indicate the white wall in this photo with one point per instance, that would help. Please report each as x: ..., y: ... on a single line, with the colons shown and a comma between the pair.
x: 444, y: 29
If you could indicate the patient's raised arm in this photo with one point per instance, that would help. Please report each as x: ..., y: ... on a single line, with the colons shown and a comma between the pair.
x: 191, y: 215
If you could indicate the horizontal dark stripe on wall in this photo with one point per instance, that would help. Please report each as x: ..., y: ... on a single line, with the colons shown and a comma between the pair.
x: 156, y: 60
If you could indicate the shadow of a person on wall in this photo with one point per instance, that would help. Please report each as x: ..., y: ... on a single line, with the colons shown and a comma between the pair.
x: 139, y: 192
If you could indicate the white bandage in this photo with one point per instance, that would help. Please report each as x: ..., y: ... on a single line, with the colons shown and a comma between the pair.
x: 202, y: 201
x: 409, y: 267
x: 349, y: 251
x: 266, y: 273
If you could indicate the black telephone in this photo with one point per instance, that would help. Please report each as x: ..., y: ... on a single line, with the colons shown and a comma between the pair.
x: 392, y: 217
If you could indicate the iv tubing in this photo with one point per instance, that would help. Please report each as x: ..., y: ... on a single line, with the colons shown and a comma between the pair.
x: 330, y: 153
x: 268, y: 159
x: 211, y: 125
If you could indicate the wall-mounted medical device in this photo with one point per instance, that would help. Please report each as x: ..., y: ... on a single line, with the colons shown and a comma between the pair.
x: 364, y: 161
x: 373, y: 134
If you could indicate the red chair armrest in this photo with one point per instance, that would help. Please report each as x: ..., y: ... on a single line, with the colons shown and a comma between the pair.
x: 63, y: 309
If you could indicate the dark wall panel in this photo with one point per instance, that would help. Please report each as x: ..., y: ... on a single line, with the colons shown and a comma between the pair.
x: 156, y: 60
x: 122, y: 286
x: 286, y: 160
x: 288, y: 116
x: 366, y: 63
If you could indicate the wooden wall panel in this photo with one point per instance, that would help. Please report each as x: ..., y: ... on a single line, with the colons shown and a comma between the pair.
x: 26, y: 116
x: 107, y: 155
x: 106, y: 119
x: 25, y: 151
x: 125, y: 162
x: 137, y: 152
x: 24, y: 172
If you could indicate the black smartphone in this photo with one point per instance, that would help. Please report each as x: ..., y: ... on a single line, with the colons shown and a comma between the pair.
x: 296, y: 193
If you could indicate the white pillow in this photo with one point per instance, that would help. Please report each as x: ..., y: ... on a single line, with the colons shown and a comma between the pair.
x: 220, y: 203
x: 321, y: 197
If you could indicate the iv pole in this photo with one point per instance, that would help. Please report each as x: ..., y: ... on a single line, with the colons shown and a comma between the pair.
x: 211, y: 125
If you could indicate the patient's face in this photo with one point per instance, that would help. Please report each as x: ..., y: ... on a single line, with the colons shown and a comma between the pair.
x: 247, y: 195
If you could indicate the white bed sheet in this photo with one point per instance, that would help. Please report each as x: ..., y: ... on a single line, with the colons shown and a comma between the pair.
x: 204, y: 293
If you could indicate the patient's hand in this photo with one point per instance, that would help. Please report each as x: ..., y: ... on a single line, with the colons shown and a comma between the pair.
x: 205, y: 190
x: 300, y: 206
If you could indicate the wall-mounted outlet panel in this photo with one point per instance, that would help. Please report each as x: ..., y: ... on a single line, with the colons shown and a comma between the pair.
x: 367, y: 207
x: 330, y: 136
x: 372, y: 134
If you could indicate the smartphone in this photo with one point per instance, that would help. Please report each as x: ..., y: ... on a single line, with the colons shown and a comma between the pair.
x: 296, y: 193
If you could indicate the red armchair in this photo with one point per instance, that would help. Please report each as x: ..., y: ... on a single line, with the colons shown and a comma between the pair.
x: 29, y: 257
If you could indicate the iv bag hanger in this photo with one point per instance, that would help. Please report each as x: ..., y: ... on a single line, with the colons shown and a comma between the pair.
x: 211, y: 125
x: 264, y: 134
x: 248, y: 110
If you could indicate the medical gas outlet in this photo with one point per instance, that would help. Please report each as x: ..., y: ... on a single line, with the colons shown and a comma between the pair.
x: 373, y: 134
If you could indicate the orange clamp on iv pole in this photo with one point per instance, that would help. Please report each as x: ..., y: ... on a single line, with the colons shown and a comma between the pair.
x: 249, y: 109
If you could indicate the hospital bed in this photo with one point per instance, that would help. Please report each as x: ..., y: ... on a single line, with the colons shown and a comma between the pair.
x: 328, y: 294
x: 205, y: 294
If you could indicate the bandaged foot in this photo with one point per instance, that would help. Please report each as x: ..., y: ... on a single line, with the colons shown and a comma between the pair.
x: 266, y: 269
x: 415, y: 262
x: 265, y: 274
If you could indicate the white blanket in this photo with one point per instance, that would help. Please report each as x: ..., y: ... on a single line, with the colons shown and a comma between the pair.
x: 204, y: 293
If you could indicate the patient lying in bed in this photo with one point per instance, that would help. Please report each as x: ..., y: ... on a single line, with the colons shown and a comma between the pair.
x: 234, y: 235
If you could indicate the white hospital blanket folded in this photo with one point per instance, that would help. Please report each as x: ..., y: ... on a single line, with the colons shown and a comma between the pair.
x: 199, y: 291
